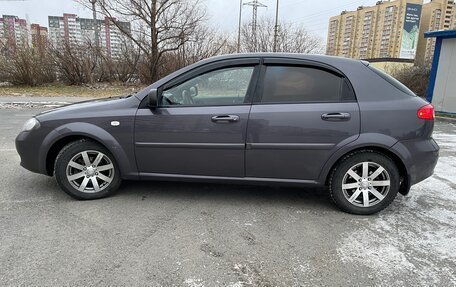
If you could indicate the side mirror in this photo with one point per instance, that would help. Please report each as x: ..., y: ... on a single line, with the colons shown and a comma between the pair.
x: 153, y: 99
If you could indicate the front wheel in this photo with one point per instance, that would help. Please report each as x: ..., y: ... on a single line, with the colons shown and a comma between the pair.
x: 364, y: 183
x: 87, y: 170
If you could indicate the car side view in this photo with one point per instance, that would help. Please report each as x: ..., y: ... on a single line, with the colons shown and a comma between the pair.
x: 246, y: 118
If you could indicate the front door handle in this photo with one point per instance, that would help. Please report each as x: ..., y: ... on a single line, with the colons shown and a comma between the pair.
x: 225, y: 119
x: 336, y: 117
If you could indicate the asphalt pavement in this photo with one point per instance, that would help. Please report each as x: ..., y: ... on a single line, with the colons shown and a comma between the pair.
x: 181, y: 234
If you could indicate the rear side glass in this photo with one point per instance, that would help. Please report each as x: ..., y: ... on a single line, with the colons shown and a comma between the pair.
x: 398, y: 85
x: 347, y: 92
x: 288, y: 84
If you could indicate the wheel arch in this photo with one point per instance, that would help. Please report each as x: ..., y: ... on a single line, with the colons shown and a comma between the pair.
x: 65, y: 134
x: 59, y: 145
x: 404, y: 175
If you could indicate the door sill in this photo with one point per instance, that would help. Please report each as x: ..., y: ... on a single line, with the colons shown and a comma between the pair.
x: 223, y: 179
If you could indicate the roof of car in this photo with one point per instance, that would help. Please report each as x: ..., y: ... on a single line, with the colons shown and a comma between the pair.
x: 311, y: 57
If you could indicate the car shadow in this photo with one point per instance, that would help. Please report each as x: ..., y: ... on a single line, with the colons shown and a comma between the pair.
x: 298, y: 197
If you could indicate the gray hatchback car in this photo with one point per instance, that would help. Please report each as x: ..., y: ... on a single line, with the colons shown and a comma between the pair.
x: 252, y: 118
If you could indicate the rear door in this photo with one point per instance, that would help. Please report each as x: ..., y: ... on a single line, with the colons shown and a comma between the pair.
x: 303, y: 112
x: 199, y: 127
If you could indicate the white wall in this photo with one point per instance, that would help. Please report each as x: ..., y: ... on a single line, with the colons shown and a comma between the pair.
x: 444, y: 98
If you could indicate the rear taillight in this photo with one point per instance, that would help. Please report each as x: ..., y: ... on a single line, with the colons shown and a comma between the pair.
x: 426, y: 113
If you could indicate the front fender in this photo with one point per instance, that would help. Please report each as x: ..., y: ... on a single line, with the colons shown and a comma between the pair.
x: 126, y: 164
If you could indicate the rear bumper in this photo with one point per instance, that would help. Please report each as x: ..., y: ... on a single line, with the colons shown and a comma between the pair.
x: 420, y: 158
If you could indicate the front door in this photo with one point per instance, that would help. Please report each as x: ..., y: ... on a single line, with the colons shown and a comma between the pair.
x: 303, y: 114
x: 199, y: 127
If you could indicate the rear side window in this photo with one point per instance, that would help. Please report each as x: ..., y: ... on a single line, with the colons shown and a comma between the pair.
x: 393, y: 81
x: 288, y: 84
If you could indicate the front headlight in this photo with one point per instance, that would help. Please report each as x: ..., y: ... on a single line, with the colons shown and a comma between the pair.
x: 31, y: 124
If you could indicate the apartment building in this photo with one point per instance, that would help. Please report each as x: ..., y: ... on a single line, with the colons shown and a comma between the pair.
x: 437, y: 15
x: 13, y: 33
x: 390, y: 29
x: 39, y: 37
x: 71, y: 29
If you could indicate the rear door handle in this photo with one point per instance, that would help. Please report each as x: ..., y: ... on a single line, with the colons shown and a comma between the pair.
x: 336, y: 117
x: 225, y: 119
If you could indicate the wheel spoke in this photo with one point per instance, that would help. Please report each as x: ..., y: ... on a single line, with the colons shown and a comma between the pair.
x: 105, y: 167
x: 353, y: 174
x: 104, y: 178
x: 350, y: 185
x: 377, y: 173
x: 98, y: 159
x: 377, y: 194
x: 95, y: 184
x: 76, y: 175
x: 85, y: 157
x: 365, y: 198
x: 381, y: 183
x: 83, y: 184
x: 76, y: 165
x: 354, y: 195
x: 365, y: 170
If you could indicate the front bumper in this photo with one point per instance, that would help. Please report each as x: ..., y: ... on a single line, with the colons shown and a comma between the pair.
x: 28, y: 150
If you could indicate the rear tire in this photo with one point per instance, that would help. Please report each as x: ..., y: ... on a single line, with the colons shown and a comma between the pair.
x: 364, y: 182
x: 87, y: 170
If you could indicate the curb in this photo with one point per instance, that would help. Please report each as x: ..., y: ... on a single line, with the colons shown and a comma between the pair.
x: 446, y: 119
x: 30, y: 104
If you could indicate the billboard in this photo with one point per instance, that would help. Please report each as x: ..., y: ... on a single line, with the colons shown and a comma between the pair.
x: 411, y: 31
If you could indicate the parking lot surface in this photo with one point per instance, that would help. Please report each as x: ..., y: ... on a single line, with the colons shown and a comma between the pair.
x: 180, y: 234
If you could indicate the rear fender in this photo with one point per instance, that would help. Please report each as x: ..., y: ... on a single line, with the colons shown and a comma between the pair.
x: 368, y: 140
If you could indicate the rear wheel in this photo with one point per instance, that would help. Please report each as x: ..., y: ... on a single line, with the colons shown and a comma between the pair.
x: 86, y: 170
x: 364, y: 182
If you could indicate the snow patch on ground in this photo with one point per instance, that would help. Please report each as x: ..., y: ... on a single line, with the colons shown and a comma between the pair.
x: 414, y: 235
x: 445, y: 140
x: 191, y: 282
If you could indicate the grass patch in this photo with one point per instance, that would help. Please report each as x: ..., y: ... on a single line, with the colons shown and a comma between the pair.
x: 61, y: 90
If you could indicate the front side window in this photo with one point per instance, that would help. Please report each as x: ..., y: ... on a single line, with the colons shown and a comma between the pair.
x: 288, y: 84
x: 221, y: 87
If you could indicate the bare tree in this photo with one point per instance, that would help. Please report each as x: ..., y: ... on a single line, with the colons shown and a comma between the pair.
x: 291, y: 38
x: 26, y: 66
x: 158, y: 26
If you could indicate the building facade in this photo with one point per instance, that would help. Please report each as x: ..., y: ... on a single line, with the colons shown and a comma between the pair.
x: 13, y: 33
x: 390, y: 29
x: 39, y: 37
x: 71, y: 29
x: 437, y: 15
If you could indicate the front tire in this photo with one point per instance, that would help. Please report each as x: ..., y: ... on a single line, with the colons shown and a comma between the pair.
x: 364, y: 182
x: 87, y: 170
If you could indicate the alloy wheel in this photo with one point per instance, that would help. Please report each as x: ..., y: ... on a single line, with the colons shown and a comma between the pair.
x: 90, y: 171
x: 366, y: 184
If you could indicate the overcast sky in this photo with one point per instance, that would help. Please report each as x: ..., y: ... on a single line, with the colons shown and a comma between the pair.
x: 223, y: 14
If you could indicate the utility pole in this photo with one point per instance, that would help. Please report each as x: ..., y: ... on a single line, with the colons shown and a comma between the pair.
x: 97, y: 31
x: 276, y: 27
x: 239, y: 31
x: 255, y: 4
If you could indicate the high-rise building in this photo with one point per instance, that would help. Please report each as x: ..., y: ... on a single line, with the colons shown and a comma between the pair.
x: 71, y: 29
x: 13, y: 33
x: 390, y: 29
x: 437, y: 15
x: 39, y: 37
